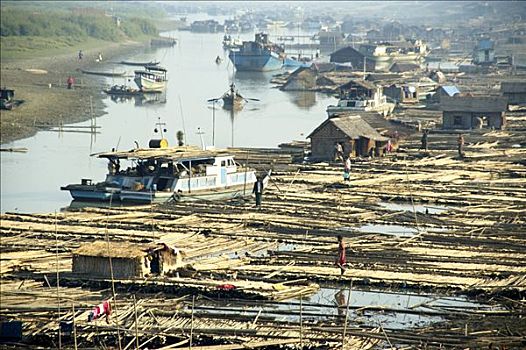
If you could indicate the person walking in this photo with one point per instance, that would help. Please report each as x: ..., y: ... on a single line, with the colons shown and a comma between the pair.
x: 258, y: 191
x: 347, y: 169
x: 338, y: 151
x: 81, y: 54
x: 70, y: 82
x: 341, y: 259
x: 460, y: 143
x: 424, y: 140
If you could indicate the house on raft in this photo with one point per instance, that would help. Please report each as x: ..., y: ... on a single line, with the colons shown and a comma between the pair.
x: 357, y: 137
x: 473, y: 112
x: 402, y: 93
x: 444, y: 92
x: 303, y: 78
x: 127, y: 260
x: 514, y: 91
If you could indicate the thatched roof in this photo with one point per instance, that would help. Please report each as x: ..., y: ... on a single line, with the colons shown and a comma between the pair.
x: 477, y: 104
x: 404, y: 67
x: 123, y: 250
x: 513, y: 87
x: 358, y: 82
x: 171, y: 153
x: 353, y: 126
x: 115, y: 250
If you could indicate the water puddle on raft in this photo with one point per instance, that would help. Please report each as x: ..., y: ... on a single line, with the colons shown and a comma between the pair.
x: 369, y: 308
x: 393, y: 230
x: 419, y: 208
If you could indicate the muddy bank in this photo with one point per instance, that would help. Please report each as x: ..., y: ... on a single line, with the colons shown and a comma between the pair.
x: 41, y: 83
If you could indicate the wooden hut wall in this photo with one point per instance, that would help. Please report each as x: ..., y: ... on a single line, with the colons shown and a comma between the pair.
x: 322, y: 142
x: 467, y: 120
x: 170, y: 261
x: 100, y: 266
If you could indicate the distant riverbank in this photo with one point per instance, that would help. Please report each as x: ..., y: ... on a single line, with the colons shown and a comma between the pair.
x: 41, y: 83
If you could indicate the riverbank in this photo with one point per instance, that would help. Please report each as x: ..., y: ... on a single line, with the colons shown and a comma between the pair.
x: 41, y: 83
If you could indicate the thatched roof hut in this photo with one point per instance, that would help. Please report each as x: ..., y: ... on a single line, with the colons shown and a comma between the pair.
x: 127, y: 260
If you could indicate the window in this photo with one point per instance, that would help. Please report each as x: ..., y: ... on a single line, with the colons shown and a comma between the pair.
x: 457, y: 120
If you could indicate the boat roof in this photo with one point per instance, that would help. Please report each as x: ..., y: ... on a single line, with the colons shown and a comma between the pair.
x: 169, y: 153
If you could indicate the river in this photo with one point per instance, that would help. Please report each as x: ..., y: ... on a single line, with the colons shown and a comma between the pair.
x: 31, y: 181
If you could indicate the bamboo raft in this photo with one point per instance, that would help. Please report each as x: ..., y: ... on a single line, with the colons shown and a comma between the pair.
x: 473, y: 247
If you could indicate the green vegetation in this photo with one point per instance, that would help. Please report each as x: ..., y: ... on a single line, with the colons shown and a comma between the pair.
x: 25, y: 30
x: 95, y: 24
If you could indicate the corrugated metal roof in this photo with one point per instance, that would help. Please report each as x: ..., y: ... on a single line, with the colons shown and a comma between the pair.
x: 172, y: 153
x: 450, y: 90
x: 485, y: 44
x: 474, y: 104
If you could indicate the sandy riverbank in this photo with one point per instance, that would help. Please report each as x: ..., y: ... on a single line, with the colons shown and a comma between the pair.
x: 41, y: 83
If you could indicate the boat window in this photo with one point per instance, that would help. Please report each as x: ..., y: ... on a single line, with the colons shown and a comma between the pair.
x: 231, y: 162
x: 223, y: 163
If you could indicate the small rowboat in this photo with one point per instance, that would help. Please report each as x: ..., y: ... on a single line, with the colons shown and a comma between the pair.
x: 104, y: 74
x: 120, y: 90
x: 141, y: 64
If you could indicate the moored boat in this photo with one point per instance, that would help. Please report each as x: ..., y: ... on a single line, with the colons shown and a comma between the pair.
x: 361, y: 95
x: 167, y: 174
x: 104, y: 74
x: 258, y: 55
x: 151, y: 79
x: 122, y: 90
x: 141, y: 64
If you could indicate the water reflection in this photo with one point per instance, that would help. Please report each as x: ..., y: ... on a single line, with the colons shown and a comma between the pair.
x: 302, y: 99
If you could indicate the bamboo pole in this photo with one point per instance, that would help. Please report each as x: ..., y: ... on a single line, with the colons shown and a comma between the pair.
x: 192, y: 323
x: 74, y: 325
x: 136, y: 323
x: 58, y: 285
x: 346, y: 315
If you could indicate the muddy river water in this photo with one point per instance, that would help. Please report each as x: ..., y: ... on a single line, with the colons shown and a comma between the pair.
x: 31, y: 181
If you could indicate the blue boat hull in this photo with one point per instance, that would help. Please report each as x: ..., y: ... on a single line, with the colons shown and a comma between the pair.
x: 261, y: 63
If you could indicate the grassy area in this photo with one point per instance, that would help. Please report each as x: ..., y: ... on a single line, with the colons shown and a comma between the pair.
x: 26, y: 47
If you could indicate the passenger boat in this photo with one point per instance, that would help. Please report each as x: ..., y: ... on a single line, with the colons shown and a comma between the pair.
x: 167, y: 174
x: 151, y: 79
x: 355, y: 100
x: 230, y: 43
x: 258, y: 55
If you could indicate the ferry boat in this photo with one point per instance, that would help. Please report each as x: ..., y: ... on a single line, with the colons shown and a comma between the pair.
x: 394, y: 52
x: 151, y: 79
x: 230, y: 43
x: 167, y: 174
x: 258, y: 55
x: 362, y: 96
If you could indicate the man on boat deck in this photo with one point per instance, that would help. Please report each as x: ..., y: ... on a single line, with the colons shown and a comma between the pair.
x: 258, y: 191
